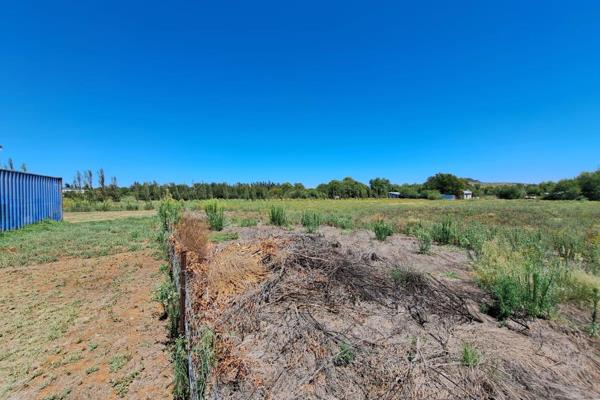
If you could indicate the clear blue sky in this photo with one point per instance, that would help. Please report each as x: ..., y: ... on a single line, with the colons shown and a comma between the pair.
x: 303, y: 91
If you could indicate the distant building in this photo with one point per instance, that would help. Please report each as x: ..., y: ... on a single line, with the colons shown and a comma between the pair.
x: 467, y: 194
x: 393, y: 195
x: 448, y: 197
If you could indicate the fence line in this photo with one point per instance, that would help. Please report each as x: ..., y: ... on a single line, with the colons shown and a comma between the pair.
x: 28, y: 198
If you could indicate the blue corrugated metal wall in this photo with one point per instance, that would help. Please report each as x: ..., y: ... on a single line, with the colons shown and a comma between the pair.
x: 28, y: 198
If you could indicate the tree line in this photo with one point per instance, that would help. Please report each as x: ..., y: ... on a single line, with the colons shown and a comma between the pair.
x: 85, y: 185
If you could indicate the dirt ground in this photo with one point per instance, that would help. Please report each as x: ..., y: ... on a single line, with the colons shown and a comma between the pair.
x: 342, y: 315
x: 105, y: 215
x: 83, y: 329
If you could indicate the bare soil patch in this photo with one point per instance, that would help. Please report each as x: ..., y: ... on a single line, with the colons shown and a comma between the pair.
x: 83, y: 329
x: 342, y: 315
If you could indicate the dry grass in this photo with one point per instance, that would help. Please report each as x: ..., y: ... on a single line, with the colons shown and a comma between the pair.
x: 233, y: 269
x: 192, y: 233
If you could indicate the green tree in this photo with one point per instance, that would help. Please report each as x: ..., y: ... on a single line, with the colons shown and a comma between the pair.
x: 446, y: 184
x: 589, y: 183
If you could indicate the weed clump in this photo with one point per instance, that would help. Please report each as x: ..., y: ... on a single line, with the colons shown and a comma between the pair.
x: 204, y: 352
x: 311, y: 221
x: 345, y: 355
x: 215, y: 215
x: 181, y: 384
x: 523, y: 283
x: 382, y: 230
x: 469, y: 356
x: 424, y: 238
x: 277, y: 216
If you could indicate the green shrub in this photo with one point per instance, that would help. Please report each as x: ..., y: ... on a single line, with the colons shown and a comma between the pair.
x: 382, y: 230
x: 311, y: 221
x: 169, y: 213
x: 345, y: 355
x: 132, y: 206
x: 167, y: 295
x: 567, y: 244
x: 148, y: 206
x: 215, y: 215
x: 470, y: 355
x: 424, y: 238
x: 445, y: 232
x: 277, y: 216
x: 523, y: 284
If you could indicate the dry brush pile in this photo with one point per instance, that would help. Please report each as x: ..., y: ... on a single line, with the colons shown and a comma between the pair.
x: 300, y: 317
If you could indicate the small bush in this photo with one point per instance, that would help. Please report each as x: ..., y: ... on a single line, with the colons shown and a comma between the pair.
x: 424, y: 238
x: 215, y: 215
x: 132, y: 206
x: 523, y: 284
x: 345, y: 355
x: 148, y: 206
x: 277, y: 216
x: 382, y: 230
x: 166, y: 294
x: 444, y: 232
x: 169, y: 213
x: 311, y: 221
x: 470, y: 355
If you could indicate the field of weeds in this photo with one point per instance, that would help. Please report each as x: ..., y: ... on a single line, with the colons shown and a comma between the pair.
x: 405, y: 300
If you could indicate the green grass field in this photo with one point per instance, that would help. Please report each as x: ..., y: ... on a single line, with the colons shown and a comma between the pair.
x: 50, y: 241
x: 581, y: 216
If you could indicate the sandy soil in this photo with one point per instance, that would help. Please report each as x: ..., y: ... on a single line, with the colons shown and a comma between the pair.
x: 105, y: 215
x: 83, y: 329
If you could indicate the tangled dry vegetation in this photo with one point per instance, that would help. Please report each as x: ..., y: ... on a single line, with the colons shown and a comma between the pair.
x: 298, y: 316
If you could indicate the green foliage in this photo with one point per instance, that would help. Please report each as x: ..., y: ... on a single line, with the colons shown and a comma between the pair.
x: 169, y: 213
x: 446, y: 184
x: 345, y: 355
x: 167, y: 295
x: 277, y: 216
x: 49, y: 241
x: 215, y: 215
x: 382, y: 230
x: 206, y: 358
x: 510, y: 192
x: 523, y: 283
x: 218, y: 237
x: 179, y: 359
x: 425, y: 240
x: 248, y: 222
x: 445, y: 232
x: 339, y: 221
x: 469, y: 355
x: 148, y: 206
x: 311, y: 221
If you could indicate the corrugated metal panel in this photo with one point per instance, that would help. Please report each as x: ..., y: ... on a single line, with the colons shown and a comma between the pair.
x: 28, y: 198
